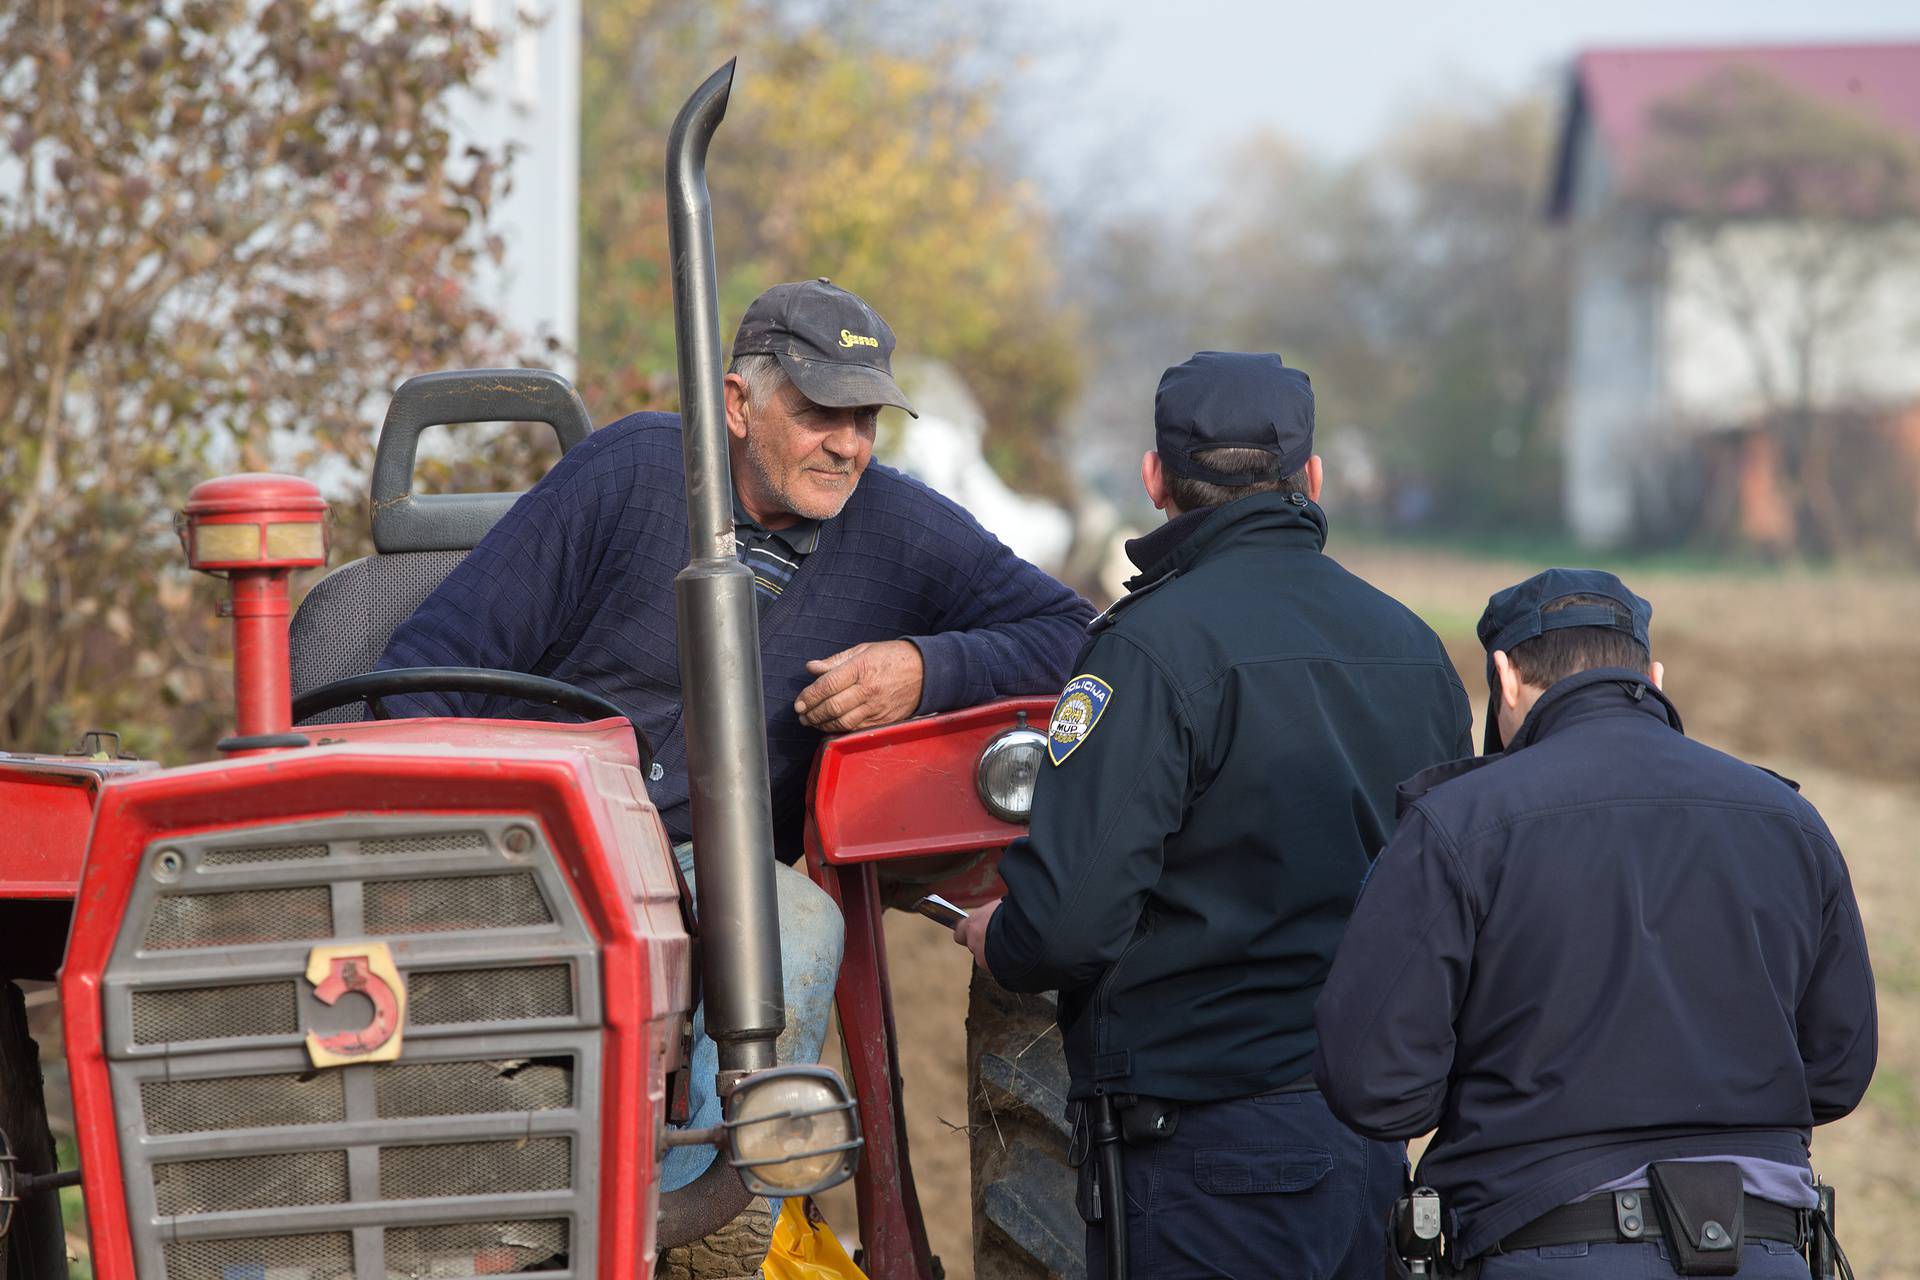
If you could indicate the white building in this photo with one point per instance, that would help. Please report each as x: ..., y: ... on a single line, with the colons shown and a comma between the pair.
x: 528, y: 101
x: 1683, y: 327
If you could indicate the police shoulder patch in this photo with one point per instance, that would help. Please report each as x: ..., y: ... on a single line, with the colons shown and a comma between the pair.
x: 1081, y: 705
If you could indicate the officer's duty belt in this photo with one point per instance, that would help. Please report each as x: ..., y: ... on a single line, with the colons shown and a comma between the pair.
x: 1145, y: 1119
x: 1626, y: 1216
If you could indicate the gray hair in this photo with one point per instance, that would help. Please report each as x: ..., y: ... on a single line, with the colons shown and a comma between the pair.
x: 763, y: 375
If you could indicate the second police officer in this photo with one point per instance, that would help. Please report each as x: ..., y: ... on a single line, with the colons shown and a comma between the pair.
x: 1223, y: 769
x: 1623, y: 973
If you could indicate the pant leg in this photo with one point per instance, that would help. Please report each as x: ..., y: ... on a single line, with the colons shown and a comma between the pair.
x: 812, y: 936
x: 1257, y: 1188
x: 1648, y: 1260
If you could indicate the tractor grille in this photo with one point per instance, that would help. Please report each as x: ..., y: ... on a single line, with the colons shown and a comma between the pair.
x: 322, y: 1256
x: 462, y: 902
x: 243, y: 1102
x: 262, y: 853
x: 472, y: 1154
x: 230, y: 919
x: 405, y: 1090
x: 215, y: 1013
x: 440, y: 842
x: 491, y: 995
x: 476, y: 1168
x: 251, y: 1182
x: 499, y: 1246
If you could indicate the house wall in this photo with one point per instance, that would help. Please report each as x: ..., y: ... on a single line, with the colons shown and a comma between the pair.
x: 529, y: 100
x: 1614, y: 396
x: 1737, y: 293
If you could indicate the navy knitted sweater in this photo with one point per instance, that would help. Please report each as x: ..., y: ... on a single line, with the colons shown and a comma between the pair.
x: 576, y: 583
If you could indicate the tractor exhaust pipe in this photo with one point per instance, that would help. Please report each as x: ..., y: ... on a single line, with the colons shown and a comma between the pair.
x: 721, y: 687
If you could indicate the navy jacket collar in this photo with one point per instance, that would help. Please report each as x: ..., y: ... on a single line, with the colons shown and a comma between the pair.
x: 1183, y: 540
x: 1602, y: 691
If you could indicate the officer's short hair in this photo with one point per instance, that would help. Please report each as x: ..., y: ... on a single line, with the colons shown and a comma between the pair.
x: 1190, y: 495
x: 1552, y: 656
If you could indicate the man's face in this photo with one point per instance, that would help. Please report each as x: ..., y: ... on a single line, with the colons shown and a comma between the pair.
x: 803, y: 459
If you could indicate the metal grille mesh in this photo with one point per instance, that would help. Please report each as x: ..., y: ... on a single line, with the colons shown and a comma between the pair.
x: 251, y: 1182
x: 262, y: 853
x: 243, y: 1102
x: 439, y: 998
x: 326, y: 1256
x: 482, y: 1248
x: 215, y: 1013
x: 476, y: 1168
x: 455, y: 902
x: 439, y: 842
x: 229, y: 919
x: 472, y: 1088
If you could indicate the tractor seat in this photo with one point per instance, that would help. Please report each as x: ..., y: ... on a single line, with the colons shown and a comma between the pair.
x: 345, y: 621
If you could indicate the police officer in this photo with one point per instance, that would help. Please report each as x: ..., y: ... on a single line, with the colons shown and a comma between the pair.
x: 1222, y: 772
x: 1612, y: 965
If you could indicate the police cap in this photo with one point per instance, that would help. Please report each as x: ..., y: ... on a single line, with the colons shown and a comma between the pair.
x: 1233, y: 400
x: 1519, y: 613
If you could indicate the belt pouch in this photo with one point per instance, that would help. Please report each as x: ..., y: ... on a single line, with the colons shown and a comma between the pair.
x: 1702, y: 1207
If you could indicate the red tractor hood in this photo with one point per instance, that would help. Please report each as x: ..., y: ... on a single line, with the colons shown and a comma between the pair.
x: 49, y: 802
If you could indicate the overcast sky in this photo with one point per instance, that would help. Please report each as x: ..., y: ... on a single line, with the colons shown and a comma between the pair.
x: 1177, y: 83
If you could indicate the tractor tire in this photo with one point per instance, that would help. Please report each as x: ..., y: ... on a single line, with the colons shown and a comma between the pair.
x: 35, y: 1245
x: 1025, y: 1223
x: 734, y: 1252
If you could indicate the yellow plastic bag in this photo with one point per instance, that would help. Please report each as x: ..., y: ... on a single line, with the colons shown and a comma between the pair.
x: 804, y: 1247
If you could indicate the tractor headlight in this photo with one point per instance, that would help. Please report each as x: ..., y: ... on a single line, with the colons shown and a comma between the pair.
x: 792, y: 1131
x: 1008, y: 769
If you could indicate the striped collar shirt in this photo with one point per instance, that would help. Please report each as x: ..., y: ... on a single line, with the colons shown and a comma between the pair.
x: 774, y: 555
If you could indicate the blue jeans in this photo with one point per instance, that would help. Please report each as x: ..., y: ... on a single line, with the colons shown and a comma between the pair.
x: 1642, y: 1260
x: 812, y: 936
x: 1257, y: 1188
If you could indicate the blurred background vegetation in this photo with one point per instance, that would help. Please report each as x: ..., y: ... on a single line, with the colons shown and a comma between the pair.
x: 210, y: 265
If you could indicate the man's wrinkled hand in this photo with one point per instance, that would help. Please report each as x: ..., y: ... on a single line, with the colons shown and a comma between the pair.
x: 870, y: 684
x: 971, y: 933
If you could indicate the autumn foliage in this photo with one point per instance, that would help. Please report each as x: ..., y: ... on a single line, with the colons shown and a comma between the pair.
x: 227, y: 229
x: 876, y: 161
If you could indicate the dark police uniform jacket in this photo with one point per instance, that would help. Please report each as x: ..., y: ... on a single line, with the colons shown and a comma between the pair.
x: 1226, y: 766
x: 1606, y: 946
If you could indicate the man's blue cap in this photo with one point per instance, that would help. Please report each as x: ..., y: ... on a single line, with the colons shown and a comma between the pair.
x: 1519, y: 613
x: 1233, y: 400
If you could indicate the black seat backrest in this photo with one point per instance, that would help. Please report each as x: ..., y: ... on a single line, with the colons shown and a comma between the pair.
x: 342, y: 626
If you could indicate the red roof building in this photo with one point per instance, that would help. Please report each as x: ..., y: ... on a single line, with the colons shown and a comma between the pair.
x: 1613, y: 93
x: 1682, y: 334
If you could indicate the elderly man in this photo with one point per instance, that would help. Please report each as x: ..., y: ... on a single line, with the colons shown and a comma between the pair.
x: 879, y: 598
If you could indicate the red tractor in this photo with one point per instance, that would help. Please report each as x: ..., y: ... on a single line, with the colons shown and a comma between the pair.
x: 411, y: 998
